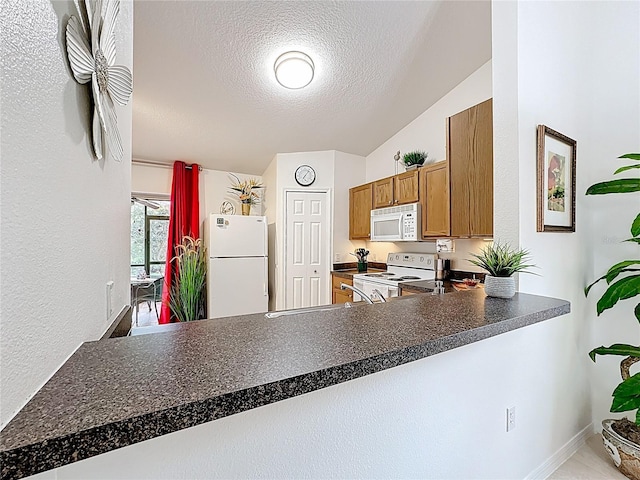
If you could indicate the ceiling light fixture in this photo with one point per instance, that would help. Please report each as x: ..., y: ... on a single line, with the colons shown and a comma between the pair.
x: 294, y: 70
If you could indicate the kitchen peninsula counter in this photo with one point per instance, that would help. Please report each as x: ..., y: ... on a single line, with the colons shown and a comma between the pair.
x: 117, y: 392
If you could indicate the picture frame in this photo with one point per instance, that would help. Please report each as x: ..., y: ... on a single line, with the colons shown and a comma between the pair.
x: 556, y: 181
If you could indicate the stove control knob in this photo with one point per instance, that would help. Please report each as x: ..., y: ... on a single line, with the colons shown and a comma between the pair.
x: 421, y: 259
x: 397, y: 257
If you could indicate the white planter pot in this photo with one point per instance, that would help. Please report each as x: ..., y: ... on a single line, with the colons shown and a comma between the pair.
x: 500, y: 287
x: 625, y: 455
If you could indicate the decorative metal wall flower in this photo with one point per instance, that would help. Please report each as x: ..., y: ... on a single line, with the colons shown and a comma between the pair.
x: 91, y: 48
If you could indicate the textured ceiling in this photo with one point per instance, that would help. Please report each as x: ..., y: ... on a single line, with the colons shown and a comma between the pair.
x: 204, y: 89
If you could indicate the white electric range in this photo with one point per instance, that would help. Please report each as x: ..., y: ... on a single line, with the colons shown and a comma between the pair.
x: 401, y: 267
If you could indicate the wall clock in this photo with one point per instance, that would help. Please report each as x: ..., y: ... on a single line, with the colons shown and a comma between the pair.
x: 305, y: 175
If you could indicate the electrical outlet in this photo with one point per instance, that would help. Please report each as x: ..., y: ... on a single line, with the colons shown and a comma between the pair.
x: 109, y: 299
x: 337, y: 257
x: 511, y: 418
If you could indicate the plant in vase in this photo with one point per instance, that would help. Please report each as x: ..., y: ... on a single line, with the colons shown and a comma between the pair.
x: 187, y: 295
x: 622, y: 437
x: 361, y: 255
x: 244, y: 191
x: 501, y: 261
x: 414, y: 159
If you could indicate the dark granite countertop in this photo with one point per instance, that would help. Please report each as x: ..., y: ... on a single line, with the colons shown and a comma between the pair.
x: 117, y: 392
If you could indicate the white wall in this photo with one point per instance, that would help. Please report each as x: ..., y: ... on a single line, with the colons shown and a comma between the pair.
x: 270, y: 181
x: 286, y: 165
x: 611, y: 121
x: 65, y: 216
x: 428, y: 132
x: 577, y: 72
x: 213, y: 185
x: 336, y: 172
x: 349, y: 171
x: 595, y: 99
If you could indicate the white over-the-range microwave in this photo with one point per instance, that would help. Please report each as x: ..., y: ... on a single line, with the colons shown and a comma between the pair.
x: 396, y: 224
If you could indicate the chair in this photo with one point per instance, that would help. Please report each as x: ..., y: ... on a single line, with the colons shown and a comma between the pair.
x: 148, y: 293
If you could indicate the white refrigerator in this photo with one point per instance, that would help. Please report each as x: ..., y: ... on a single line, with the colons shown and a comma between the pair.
x: 237, y: 280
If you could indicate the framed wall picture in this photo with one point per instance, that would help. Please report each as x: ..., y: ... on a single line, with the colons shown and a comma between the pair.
x: 556, y: 181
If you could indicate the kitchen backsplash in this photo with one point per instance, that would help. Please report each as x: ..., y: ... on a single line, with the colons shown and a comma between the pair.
x: 459, y: 258
x: 353, y: 265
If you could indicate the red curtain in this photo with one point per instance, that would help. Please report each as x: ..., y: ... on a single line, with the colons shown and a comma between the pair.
x: 184, y: 219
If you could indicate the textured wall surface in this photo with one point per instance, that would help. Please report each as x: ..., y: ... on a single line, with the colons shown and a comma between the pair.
x: 575, y: 68
x: 65, y: 216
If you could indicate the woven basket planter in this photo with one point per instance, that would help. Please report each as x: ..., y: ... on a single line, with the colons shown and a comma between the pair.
x: 499, y: 287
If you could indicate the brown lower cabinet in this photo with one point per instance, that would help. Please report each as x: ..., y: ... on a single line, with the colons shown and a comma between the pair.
x: 405, y: 293
x: 337, y: 295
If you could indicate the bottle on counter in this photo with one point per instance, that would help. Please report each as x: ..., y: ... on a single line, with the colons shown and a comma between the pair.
x: 440, y: 269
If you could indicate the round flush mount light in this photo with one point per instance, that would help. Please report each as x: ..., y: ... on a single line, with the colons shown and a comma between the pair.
x: 294, y: 70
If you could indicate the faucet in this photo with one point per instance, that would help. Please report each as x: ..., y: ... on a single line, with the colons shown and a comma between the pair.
x: 379, y: 295
x: 365, y: 297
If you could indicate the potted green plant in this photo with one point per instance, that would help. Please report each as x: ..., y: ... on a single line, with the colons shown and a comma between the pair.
x: 187, y: 295
x: 501, y: 261
x: 414, y: 159
x: 622, y: 437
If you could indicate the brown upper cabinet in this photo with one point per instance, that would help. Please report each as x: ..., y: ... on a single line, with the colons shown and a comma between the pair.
x: 405, y: 187
x: 360, y: 204
x: 470, y: 159
x: 383, y: 193
x: 396, y: 190
x: 434, y: 189
x: 457, y: 195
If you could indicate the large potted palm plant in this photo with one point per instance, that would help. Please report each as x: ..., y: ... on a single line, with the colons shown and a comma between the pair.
x: 622, y: 436
x: 187, y: 295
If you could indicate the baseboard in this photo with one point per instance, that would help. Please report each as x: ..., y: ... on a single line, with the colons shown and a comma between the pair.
x: 121, y: 325
x: 562, y: 455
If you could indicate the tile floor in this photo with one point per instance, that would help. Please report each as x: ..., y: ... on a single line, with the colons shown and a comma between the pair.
x: 591, y: 462
x: 146, y: 316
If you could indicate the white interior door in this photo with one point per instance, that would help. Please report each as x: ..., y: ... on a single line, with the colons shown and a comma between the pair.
x: 306, y: 249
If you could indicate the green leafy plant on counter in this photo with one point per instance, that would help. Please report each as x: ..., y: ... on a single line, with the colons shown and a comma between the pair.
x: 501, y: 260
x: 416, y: 157
x: 187, y: 296
x: 623, y: 283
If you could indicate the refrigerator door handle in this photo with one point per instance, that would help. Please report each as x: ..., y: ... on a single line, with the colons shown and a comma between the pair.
x: 266, y: 276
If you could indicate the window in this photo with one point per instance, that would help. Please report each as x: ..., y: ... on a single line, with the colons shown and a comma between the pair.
x: 149, y: 234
